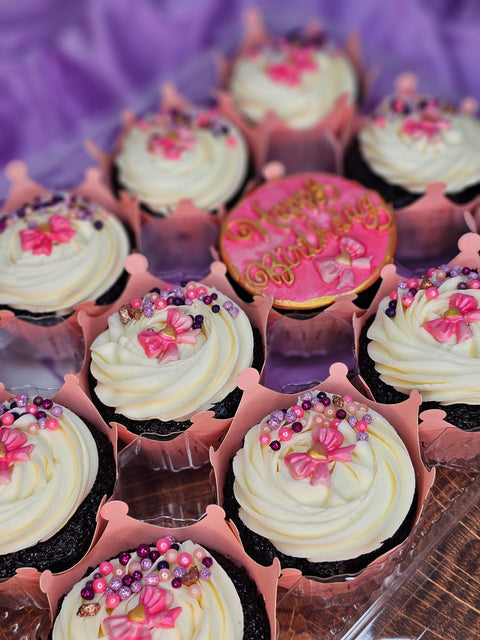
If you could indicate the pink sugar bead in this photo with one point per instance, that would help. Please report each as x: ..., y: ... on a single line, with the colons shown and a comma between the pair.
x: 231, y: 141
x: 412, y: 283
x: 474, y: 284
x: 171, y: 555
x: 318, y: 407
x: 199, y: 553
x: 285, y: 433
x: 194, y: 591
x: 32, y: 409
x: 202, y: 290
x: 184, y: 559
x: 347, y: 399
x: 99, y: 585
x: 7, y: 419
x: 297, y: 410
x: 330, y: 411
x: 164, y: 575
x: 394, y: 295
x: 33, y: 428
x: 265, y: 439
x: 163, y: 545
x: 112, y: 600
x: 191, y: 294
x: 407, y: 300
x: 52, y: 424
x: 160, y: 303
x: 105, y: 568
x: 136, y: 303
x: 431, y: 293
x: 361, y: 425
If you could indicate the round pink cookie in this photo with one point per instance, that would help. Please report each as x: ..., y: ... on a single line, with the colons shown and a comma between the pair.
x: 306, y: 239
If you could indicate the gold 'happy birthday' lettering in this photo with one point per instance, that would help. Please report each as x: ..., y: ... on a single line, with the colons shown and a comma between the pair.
x: 292, y: 215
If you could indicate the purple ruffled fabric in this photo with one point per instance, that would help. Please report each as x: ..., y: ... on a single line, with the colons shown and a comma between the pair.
x: 68, y: 69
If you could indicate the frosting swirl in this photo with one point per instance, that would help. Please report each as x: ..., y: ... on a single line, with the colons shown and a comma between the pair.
x: 299, y: 82
x: 324, y: 488
x: 39, y: 493
x: 415, y: 142
x: 430, y: 340
x: 58, y: 252
x: 208, y: 609
x: 174, y: 360
x: 183, y: 154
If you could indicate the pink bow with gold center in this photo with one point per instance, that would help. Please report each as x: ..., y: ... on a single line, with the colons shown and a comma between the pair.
x: 152, y: 612
x: 163, y: 344
x: 38, y: 241
x: 326, y: 448
x: 12, y: 450
x: 352, y: 256
x: 462, y: 309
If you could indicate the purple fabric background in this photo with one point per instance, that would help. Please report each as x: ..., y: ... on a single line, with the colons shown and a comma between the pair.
x: 68, y: 68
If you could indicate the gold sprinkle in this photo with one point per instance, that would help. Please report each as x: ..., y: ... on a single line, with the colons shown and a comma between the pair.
x: 90, y: 609
x: 190, y: 577
x: 338, y: 401
x: 124, y: 313
x: 426, y: 283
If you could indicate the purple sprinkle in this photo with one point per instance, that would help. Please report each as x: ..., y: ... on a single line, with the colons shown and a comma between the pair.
x: 204, y: 573
x: 124, y: 593
x: 116, y: 583
x: 136, y: 586
x: 352, y: 421
x: 179, y: 572
x: 362, y: 435
x: 275, y: 445
x: 57, y: 411
x: 402, y: 284
x: 367, y: 418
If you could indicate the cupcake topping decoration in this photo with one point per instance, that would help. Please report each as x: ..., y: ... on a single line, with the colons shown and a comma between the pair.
x: 143, y: 573
x: 59, y: 230
x: 422, y: 117
x: 175, y: 296
x: 326, y: 439
x: 326, y: 448
x: 352, y: 256
x: 462, y: 308
x: 163, y: 344
x: 13, y: 447
x: 175, y: 131
x: 59, y: 209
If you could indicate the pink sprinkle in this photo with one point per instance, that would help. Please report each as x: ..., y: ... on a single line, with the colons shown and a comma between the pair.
x: 297, y: 410
x: 184, y: 559
x: 432, y: 293
x: 475, y: 284
x: 394, y: 295
x: 52, y: 424
x: 160, y: 303
x: 105, y: 568
x: 136, y: 303
x: 231, y: 141
x: 285, y: 433
x: 32, y: 409
x: 361, y: 425
x: 265, y: 438
x: 8, y: 419
x: 407, y: 300
x: 412, y: 283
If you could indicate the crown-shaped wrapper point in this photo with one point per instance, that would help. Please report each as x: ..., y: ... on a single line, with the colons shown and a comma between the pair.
x: 205, y: 430
x: 445, y: 444
x: 123, y: 532
x: 258, y: 401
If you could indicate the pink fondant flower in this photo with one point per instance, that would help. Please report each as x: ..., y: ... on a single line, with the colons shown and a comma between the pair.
x: 41, y: 242
x: 12, y: 450
x: 326, y: 448
x: 462, y: 310
x: 152, y: 612
x: 163, y: 344
x: 352, y: 256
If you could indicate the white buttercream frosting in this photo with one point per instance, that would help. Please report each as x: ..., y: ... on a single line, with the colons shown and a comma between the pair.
x: 424, y: 145
x: 45, y: 490
x: 407, y: 356
x: 213, y: 613
x: 203, y: 371
x: 299, y: 83
x: 52, y: 269
x: 193, y: 154
x: 360, y: 503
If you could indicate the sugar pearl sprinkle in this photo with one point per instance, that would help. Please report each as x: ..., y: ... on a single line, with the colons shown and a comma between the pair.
x: 283, y: 424
x: 68, y: 205
x: 172, y: 120
x: 176, y: 296
x: 429, y: 284
x: 181, y: 570
x: 43, y: 412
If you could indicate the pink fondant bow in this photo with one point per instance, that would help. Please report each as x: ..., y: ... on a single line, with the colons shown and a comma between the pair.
x: 12, y: 450
x: 152, y: 612
x: 326, y: 448
x: 351, y: 257
x: 163, y: 344
x: 37, y: 241
x: 462, y: 310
